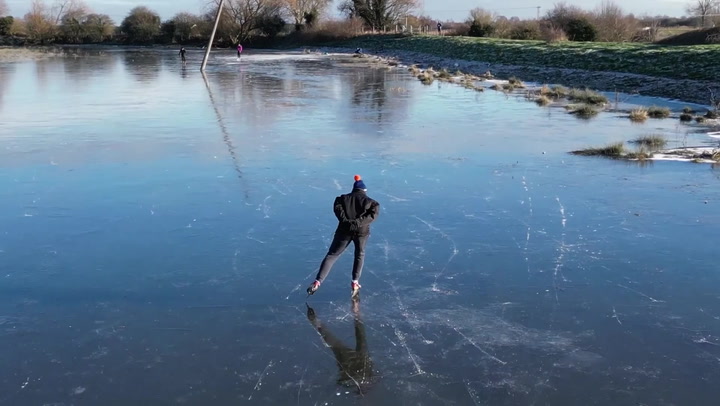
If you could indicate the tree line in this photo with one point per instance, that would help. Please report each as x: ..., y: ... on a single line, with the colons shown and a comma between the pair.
x: 608, y: 22
x: 72, y: 21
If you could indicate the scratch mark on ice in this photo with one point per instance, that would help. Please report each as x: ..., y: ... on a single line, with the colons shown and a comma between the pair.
x: 471, y: 392
x: 615, y: 316
x: 259, y: 382
x: 562, y: 212
x: 492, y: 357
x: 401, y: 339
x: 641, y: 294
x: 452, y: 256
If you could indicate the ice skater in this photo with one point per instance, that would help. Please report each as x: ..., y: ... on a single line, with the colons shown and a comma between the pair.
x: 239, y: 51
x: 182, y: 54
x: 354, y: 211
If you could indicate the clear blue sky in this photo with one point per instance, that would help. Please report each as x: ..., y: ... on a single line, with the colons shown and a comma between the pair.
x: 441, y: 9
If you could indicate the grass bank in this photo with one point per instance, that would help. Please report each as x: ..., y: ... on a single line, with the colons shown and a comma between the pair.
x: 699, y: 62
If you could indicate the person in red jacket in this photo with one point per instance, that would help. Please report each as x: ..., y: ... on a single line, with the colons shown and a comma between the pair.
x: 355, y: 212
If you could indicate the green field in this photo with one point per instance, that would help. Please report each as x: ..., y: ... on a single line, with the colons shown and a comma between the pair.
x: 700, y: 62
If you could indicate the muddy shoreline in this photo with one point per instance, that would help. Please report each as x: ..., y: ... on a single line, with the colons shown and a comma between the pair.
x: 686, y: 90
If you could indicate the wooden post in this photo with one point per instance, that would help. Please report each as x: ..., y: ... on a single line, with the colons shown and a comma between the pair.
x: 212, y: 36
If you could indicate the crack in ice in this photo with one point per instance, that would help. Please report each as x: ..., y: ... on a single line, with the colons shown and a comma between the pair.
x: 452, y: 256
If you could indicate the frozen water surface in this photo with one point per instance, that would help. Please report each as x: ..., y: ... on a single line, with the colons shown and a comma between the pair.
x: 159, y: 229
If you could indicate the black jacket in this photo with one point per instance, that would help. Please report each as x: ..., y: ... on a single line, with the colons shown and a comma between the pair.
x: 355, y: 211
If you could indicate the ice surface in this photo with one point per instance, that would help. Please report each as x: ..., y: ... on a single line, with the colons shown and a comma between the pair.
x: 495, y: 274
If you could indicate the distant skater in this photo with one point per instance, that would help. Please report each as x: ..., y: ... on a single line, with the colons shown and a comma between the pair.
x: 439, y: 27
x: 239, y: 50
x: 182, y: 54
x: 354, y: 211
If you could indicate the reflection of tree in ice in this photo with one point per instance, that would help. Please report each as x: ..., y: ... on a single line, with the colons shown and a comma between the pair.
x: 373, y: 103
x: 80, y: 65
x: 6, y: 73
x: 144, y: 66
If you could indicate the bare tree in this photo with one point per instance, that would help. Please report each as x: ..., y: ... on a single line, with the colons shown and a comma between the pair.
x: 481, y: 22
x: 562, y: 14
x: 141, y: 26
x: 305, y: 12
x: 3, y: 8
x: 39, y: 22
x: 378, y: 13
x: 702, y: 8
x: 187, y: 25
x: 613, y: 24
x: 72, y: 15
x: 98, y: 27
x: 240, y: 18
x: 67, y: 7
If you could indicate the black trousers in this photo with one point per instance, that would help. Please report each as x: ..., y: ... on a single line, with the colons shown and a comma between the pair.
x: 337, y: 247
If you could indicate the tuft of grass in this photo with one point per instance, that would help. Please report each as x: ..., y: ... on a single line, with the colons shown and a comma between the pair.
x: 414, y: 70
x: 555, y: 92
x: 641, y: 155
x: 587, y: 96
x: 712, y: 115
x: 688, y: 110
x: 639, y: 115
x: 650, y: 141
x: 468, y: 84
x: 444, y: 75
x: 559, y: 91
x: 516, y: 83
x: 426, y: 77
x: 700, y: 119
x: 543, y: 100
x: 685, y: 117
x: 658, y: 112
x: 582, y: 110
x: 498, y: 87
x: 615, y: 150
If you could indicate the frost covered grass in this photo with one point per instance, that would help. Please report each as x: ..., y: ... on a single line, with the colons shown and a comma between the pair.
x: 699, y: 62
